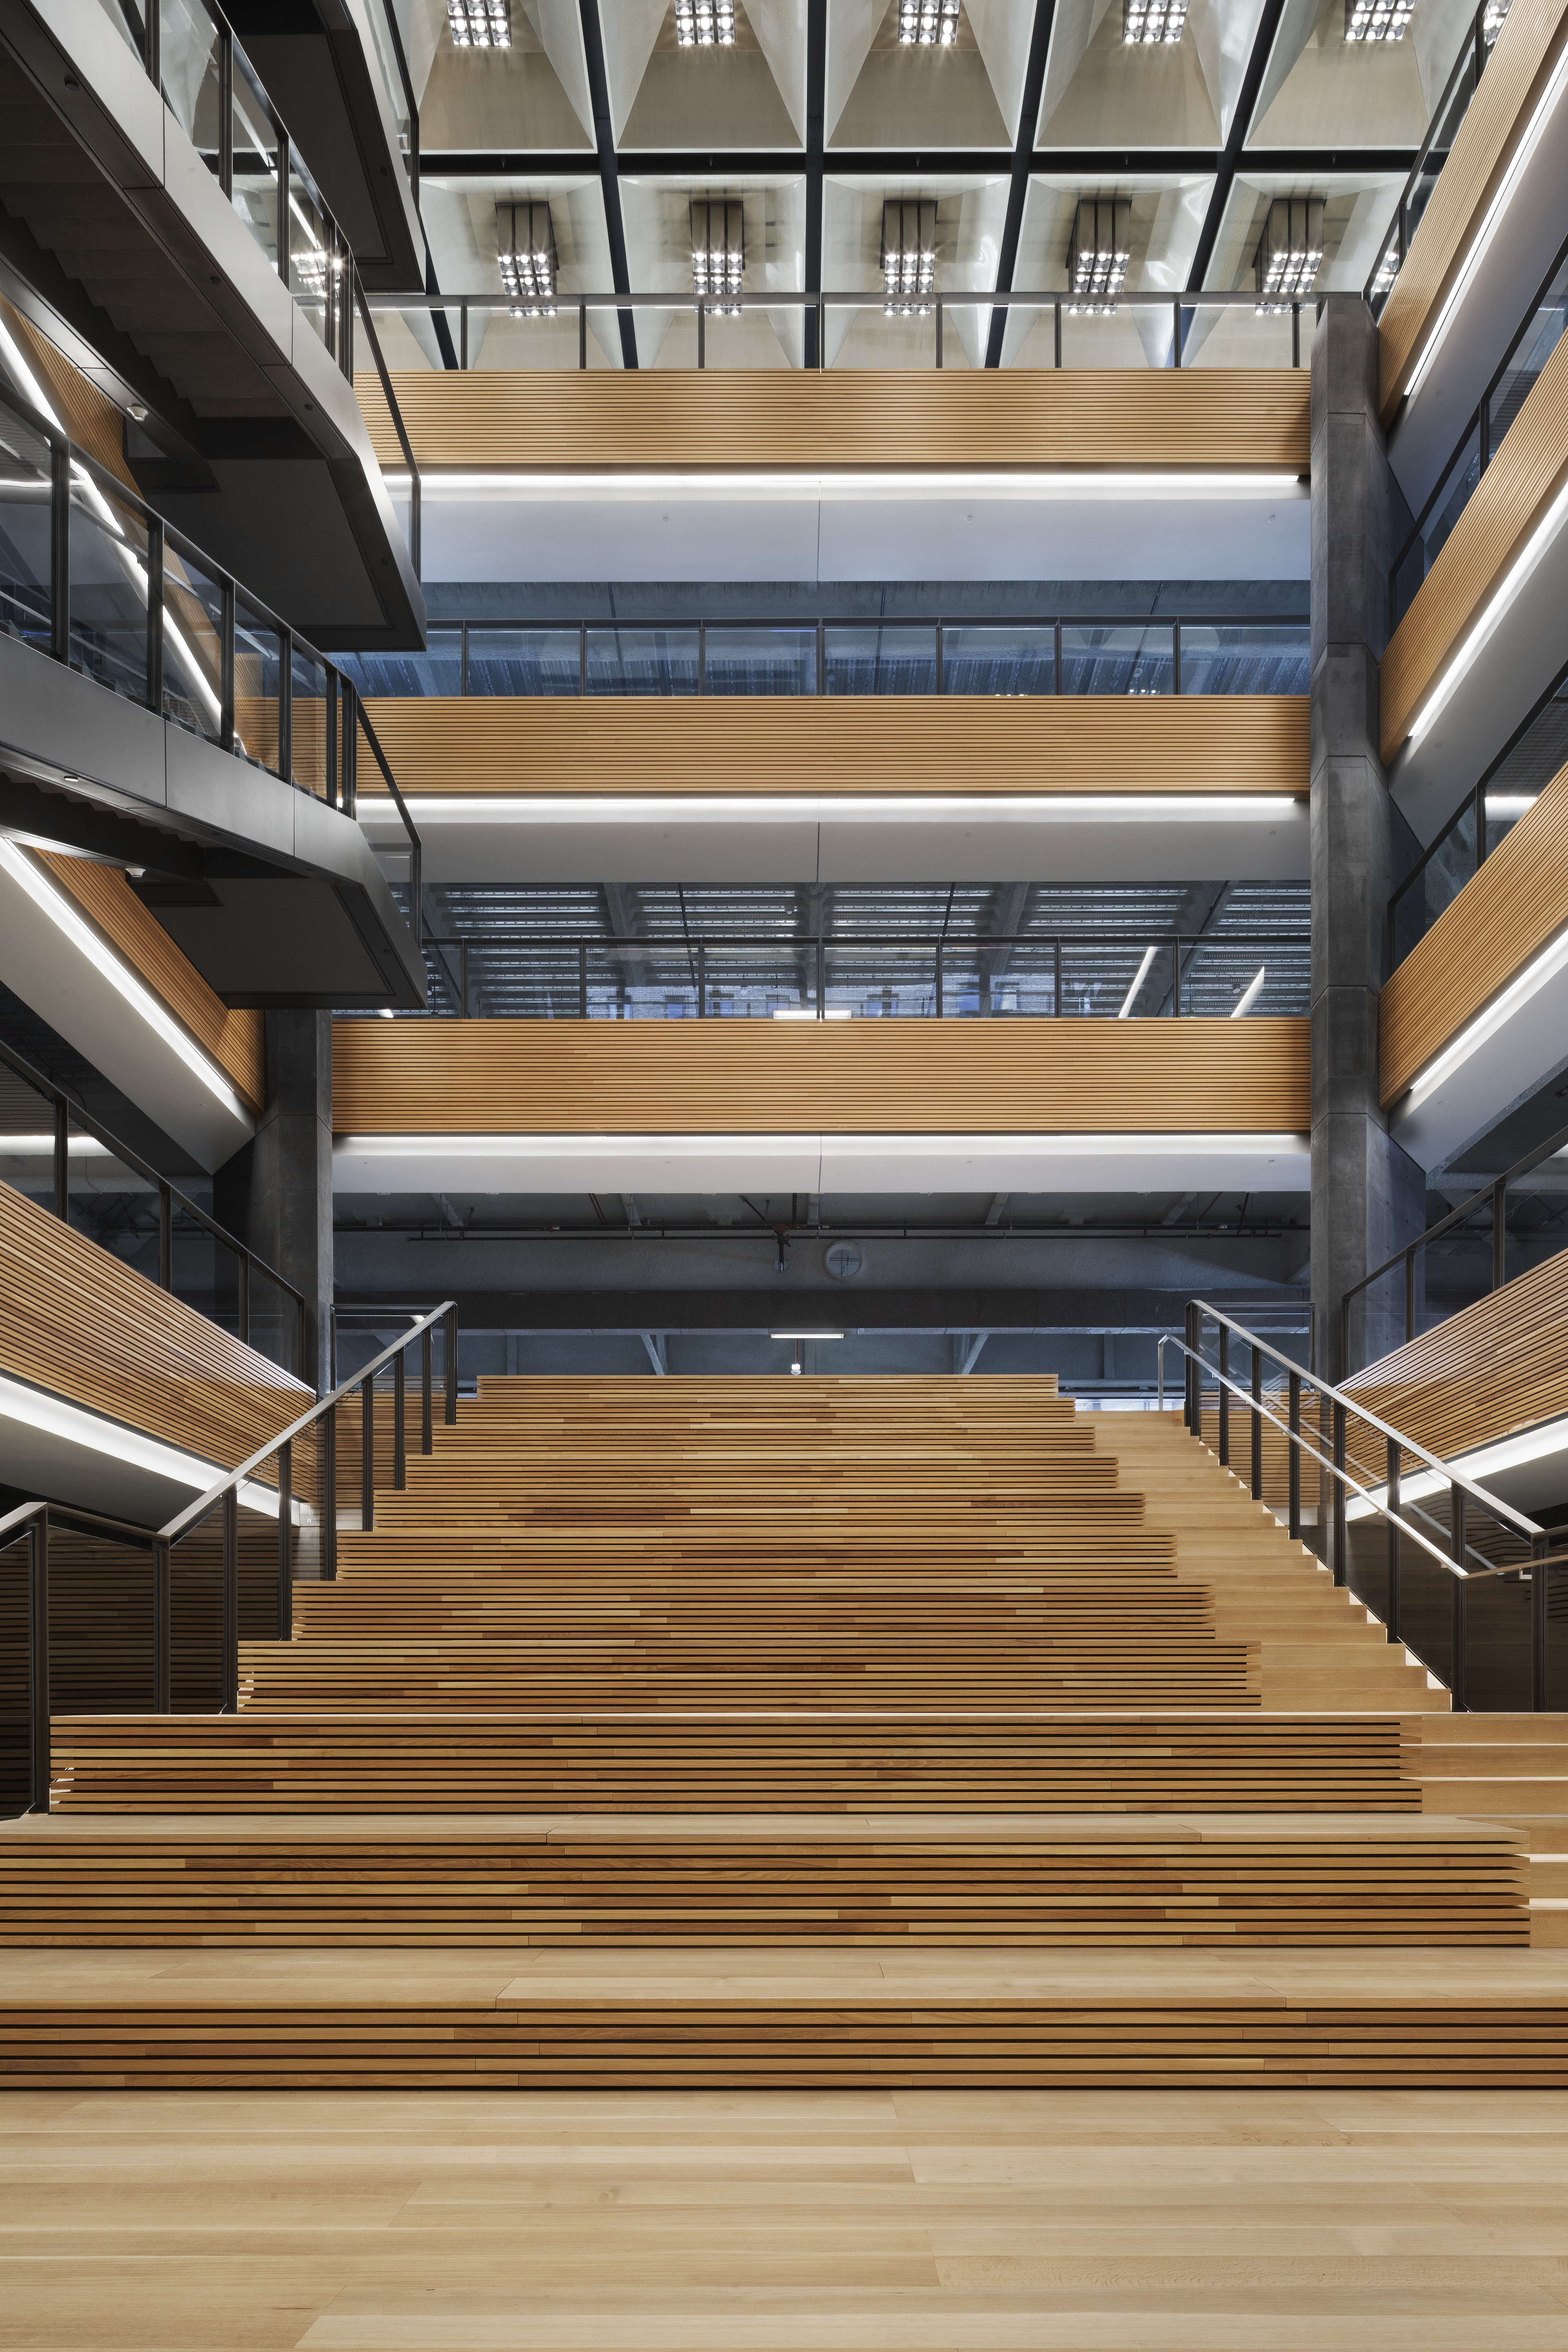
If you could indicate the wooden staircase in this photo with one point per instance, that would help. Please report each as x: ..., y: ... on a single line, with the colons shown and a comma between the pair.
x: 786, y: 1669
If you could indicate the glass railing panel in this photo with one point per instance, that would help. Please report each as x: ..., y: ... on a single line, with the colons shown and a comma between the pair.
x: 438, y: 670
x: 1127, y: 336
x: 879, y: 658
x: 520, y: 984
x: 880, y: 982
x: 256, y: 143
x: 1460, y: 484
x: 523, y: 661
x: 1242, y: 335
x: 313, y: 257
x: 764, y: 660
x: 653, y: 980
x: 190, y: 68
x: 860, y: 336
x: 193, y: 646
x: 25, y: 540
x: 642, y: 661
x: 1245, y: 656
x: 1100, y: 978
x: 1121, y: 657
x: 258, y: 675
x: 982, y: 983
x: 127, y: 20
x: 1449, y: 865
x: 1220, y: 978
x: 998, y: 657
x: 27, y: 1140
x: 308, y: 722
x: 761, y: 983
x: 108, y: 590
x: 1540, y: 338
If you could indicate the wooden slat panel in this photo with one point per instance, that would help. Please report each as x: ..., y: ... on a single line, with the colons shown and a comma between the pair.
x: 915, y: 743
x: 1497, y: 115
x: 1240, y: 419
x: 1013, y: 1077
x: 88, y: 416
x: 1510, y: 499
x: 1499, y: 1365
x: 235, y: 1040
x: 1504, y: 915
x: 76, y: 1322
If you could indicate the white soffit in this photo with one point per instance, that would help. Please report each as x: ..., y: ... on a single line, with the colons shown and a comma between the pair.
x: 1497, y: 1061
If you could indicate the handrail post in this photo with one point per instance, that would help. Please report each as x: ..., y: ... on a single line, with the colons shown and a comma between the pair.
x: 225, y: 666
x: 1342, y: 1567
x: 1295, y: 1529
x: 1499, y: 1233
x: 166, y: 1238
x: 229, y: 1703
x: 939, y: 332
x: 329, y: 1459
x: 1257, y: 1464
x: 367, y: 1453
x: 1540, y: 1590
x: 701, y: 333
x: 449, y: 1350
x: 155, y: 617
x: 286, y: 1541
x: 1457, y: 1678
x: 162, y: 1629
x: 60, y: 550
x: 38, y: 1663
x: 1410, y: 1293
x: 399, y: 1452
x: 1346, y: 1367
x: 243, y: 1271
x: 62, y: 1161
x: 426, y: 1434
x: 1223, y: 1397
x: 1391, y: 1609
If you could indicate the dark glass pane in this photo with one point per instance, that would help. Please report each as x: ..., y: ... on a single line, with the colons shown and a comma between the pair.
x: 523, y: 661
x: 774, y: 659
x: 1245, y: 656
x: 642, y: 661
x: 1118, y: 657
x: 1008, y: 657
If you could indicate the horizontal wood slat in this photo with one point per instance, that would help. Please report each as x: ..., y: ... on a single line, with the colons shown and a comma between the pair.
x: 1014, y: 1078
x: 1238, y: 419
x: 77, y: 1323
x: 1497, y: 115
x: 88, y: 416
x: 1503, y: 917
x: 1510, y: 499
x: 235, y: 1040
x: 890, y: 743
x: 1499, y: 1365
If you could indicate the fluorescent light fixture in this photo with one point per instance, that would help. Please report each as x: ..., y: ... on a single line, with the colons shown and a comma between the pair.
x: 1039, y: 482
x: 1142, y: 1146
x: 1377, y: 20
x: 480, y: 23
x: 1495, y: 611
x: 1553, y: 959
x: 1149, y: 24
x: 806, y: 1335
x: 859, y: 808
x: 55, y: 1416
x: 1099, y: 251
x: 705, y: 24
x: 1481, y: 241
x: 717, y: 254
x: 928, y: 24
x: 1130, y: 998
x: 1290, y: 252
x: 806, y: 1013
x: 525, y: 256
x: 38, y: 1147
x: 1251, y: 994
x: 908, y: 260
x: 101, y: 956
x: 1485, y: 1462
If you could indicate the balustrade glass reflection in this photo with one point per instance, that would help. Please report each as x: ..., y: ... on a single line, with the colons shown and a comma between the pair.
x: 880, y: 657
x: 772, y: 658
x: 189, y: 67
x: 25, y: 533
x: 998, y: 657
x: 523, y: 661
x: 1123, y: 658
x: 656, y: 661
x: 193, y: 646
x: 108, y: 590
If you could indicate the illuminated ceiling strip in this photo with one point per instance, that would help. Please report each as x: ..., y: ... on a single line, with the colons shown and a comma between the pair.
x: 38, y: 1147
x: 1075, y: 1147
x: 87, y: 942
x: 864, y: 808
x: 1492, y: 615
x: 1546, y: 966
x: 54, y: 1416
x: 1040, y: 483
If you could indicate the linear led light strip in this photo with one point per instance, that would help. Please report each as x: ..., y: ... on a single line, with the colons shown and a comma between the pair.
x: 135, y: 570
x: 1481, y: 241
x: 1546, y: 966
x: 1486, y: 1462
x: 863, y: 808
x: 540, y: 1146
x: 1084, y: 483
x: 1495, y: 613
x: 55, y: 1417
x: 85, y: 941
x: 38, y: 1147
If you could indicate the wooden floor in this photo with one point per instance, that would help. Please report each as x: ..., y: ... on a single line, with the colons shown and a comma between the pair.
x: 881, y: 2220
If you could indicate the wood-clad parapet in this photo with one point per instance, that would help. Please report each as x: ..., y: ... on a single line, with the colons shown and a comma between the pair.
x: 1507, y: 504
x: 1517, y: 70
x: 234, y: 1039
x: 884, y: 743
x: 1232, y: 419
x: 1503, y: 917
x: 851, y: 1077
x: 1498, y: 1366
x: 77, y: 1323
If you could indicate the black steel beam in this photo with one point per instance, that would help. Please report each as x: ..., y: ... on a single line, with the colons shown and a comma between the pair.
x: 1234, y: 146
x: 899, y: 162
x: 839, y: 1308
x: 815, y: 126
x: 609, y: 182
x: 1023, y: 150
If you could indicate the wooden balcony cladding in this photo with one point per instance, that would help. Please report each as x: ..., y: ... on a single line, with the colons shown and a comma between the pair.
x: 235, y: 1040
x: 853, y: 1077
x: 1509, y: 502
x: 1497, y: 1367
x: 872, y: 743
x: 88, y: 416
x: 1502, y: 918
x: 1233, y: 419
x: 1517, y: 70
x: 79, y: 1324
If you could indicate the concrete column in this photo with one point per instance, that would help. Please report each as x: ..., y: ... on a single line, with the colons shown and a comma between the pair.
x: 1368, y: 1196
x: 276, y: 1195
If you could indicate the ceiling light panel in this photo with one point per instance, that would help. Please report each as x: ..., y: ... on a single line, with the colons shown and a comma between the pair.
x: 928, y: 24
x: 705, y: 24
x: 1377, y: 20
x: 1153, y: 24
x: 1099, y: 252
x: 908, y: 260
x: 480, y: 23
x: 718, y: 253
x: 525, y: 254
x: 1290, y: 252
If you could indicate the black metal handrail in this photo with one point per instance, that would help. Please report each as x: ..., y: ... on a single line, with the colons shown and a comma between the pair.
x: 65, y: 1111
x: 1471, y: 59
x: 1494, y: 1194
x: 1336, y: 1407
x: 70, y: 468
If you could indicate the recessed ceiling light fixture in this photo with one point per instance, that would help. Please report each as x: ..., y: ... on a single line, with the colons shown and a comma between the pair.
x: 718, y: 253
x: 705, y: 24
x: 1151, y: 24
x: 928, y: 24
x: 908, y: 260
x: 1377, y: 20
x: 1290, y: 252
x: 1097, y: 253
x: 806, y: 1335
x: 480, y: 23
x: 816, y: 808
x: 525, y: 253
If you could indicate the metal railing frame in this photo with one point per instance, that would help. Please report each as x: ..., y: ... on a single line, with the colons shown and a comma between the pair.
x: 31, y: 1522
x: 66, y: 1113
x: 1335, y: 1409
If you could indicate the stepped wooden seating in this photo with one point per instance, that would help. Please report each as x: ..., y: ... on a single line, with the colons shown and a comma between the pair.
x: 778, y: 1670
